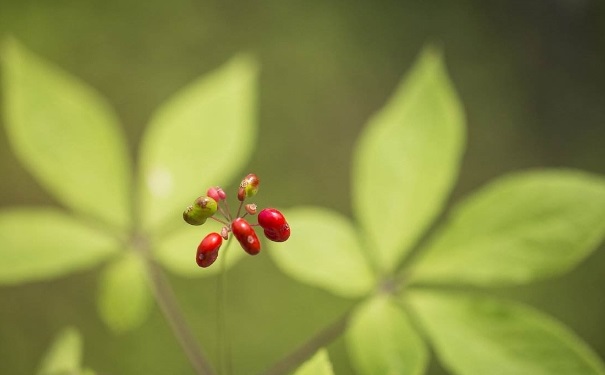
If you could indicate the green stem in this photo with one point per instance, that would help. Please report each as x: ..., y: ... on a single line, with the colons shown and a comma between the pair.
x: 306, y: 350
x: 222, y: 327
x: 169, y: 306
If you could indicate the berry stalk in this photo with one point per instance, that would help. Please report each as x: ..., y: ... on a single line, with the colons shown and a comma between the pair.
x: 224, y: 343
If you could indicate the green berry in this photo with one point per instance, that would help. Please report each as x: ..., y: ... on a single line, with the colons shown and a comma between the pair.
x: 200, y: 211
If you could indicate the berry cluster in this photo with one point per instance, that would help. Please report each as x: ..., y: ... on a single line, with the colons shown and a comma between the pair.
x: 271, y: 220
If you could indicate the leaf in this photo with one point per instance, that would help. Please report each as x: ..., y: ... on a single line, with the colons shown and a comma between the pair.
x: 323, y: 250
x: 318, y: 365
x: 64, y: 356
x: 67, y: 136
x: 381, y: 340
x: 520, y: 228
x: 200, y: 138
x: 38, y: 244
x: 407, y: 160
x: 177, y: 253
x: 124, y: 296
x: 482, y: 335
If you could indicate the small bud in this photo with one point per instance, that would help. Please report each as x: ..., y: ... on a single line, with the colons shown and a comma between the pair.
x: 245, y: 236
x: 225, y: 233
x: 202, y: 209
x: 216, y: 193
x: 213, y: 193
x: 207, y: 251
x: 221, y: 193
x: 248, y: 187
x: 251, y: 208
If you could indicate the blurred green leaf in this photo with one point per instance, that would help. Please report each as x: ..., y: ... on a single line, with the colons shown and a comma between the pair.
x: 517, y: 229
x: 480, y: 335
x: 64, y: 356
x: 67, y: 136
x: 381, y: 340
x: 407, y: 160
x: 124, y: 294
x: 323, y: 251
x: 200, y: 138
x: 37, y: 244
x: 318, y: 365
x: 177, y: 252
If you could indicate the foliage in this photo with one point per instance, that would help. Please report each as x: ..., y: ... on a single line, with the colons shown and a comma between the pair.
x: 519, y: 228
x: 64, y: 356
x: 69, y: 139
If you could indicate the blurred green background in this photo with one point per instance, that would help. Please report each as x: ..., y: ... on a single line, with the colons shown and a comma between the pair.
x: 531, y: 76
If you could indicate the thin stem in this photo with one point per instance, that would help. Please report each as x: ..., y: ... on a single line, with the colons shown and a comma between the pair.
x: 169, y: 306
x: 306, y: 350
x: 219, y: 220
x: 223, y: 341
x: 229, y: 218
x: 222, y: 211
x: 239, y: 209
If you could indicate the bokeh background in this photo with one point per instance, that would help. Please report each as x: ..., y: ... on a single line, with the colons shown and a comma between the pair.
x: 531, y: 76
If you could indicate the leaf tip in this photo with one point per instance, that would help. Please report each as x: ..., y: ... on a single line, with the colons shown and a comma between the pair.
x: 431, y: 56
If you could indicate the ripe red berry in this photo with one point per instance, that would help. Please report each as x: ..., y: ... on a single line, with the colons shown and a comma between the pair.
x: 274, y: 225
x: 207, y: 251
x: 245, y: 236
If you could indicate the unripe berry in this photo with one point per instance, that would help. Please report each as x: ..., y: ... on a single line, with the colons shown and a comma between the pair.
x: 245, y: 236
x: 248, y: 187
x: 207, y: 251
x: 274, y: 225
x: 202, y: 209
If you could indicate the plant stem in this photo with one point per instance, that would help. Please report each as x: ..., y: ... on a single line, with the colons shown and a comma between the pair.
x: 169, y: 306
x: 222, y: 327
x: 306, y: 350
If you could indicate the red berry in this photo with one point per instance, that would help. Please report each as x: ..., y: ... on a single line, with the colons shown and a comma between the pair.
x: 245, y: 236
x: 207, y: 251
x: 274, y: 224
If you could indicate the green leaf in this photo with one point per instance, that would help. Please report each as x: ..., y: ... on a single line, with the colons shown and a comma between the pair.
x: 124, y: 296
x: 200, y: 138
x: 324, y: 251
x: 67, y: 136
x: 177, y: 252
x: 407, y: 160
x: 64, y: 357
x: 37, y: 244
x: 318, y: 365
x: 522, y: 227
x: 480, y: 335
x: 381, y: 340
